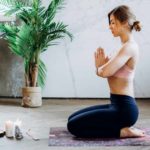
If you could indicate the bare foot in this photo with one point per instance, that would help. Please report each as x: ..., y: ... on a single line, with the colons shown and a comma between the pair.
x: 131, y: 132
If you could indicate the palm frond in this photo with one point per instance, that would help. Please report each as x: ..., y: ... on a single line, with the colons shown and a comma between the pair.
x: 52, y: 9
x: 14, y: 6
x: 59, y: 29
x: 49, y: 34
x: 10, y: 34
x: 25, y: 16
x: 36, y: 3
x: 41, y: 11
x: 16, y: 2
x: 42, y: 74
x: 24, y: 41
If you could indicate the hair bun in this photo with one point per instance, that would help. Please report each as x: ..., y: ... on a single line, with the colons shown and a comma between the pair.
x: 137, y: 25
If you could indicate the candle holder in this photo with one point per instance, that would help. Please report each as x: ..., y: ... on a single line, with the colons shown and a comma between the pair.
x: 18, y: 133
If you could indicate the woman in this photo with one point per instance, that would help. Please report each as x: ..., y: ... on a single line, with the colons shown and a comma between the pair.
x: 115, y: 119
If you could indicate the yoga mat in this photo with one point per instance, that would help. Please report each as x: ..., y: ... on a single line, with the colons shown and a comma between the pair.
x: 59, y: 136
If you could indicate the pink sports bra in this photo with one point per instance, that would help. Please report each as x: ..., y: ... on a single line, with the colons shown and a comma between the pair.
x: 125, y: 72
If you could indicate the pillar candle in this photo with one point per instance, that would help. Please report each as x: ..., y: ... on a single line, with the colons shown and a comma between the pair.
x: 9, y: 126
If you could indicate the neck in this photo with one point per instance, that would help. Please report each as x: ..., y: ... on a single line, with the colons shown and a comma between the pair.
x: 126, y: 37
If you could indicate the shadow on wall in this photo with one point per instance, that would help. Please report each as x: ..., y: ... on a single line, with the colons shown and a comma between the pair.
x: 11, y: 72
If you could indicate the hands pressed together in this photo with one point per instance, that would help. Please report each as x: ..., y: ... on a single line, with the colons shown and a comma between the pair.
x: 100, y: 58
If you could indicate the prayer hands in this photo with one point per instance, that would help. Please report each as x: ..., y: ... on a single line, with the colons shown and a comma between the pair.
x: 100, y: 58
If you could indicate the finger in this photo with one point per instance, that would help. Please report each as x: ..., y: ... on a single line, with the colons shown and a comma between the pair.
x: 99, y: 48
x: 106, y: 59
x: 102, y: 53
x: 98, y: 52
x: 102, y: 50
x: 95, y: 55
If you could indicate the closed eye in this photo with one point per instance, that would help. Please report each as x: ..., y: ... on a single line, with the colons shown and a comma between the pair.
x: 112, y: 22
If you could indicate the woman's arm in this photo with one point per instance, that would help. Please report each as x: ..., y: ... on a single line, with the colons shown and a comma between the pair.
x: 116, y: 62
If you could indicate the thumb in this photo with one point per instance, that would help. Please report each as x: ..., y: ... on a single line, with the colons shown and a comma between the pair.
x: 107, y: 59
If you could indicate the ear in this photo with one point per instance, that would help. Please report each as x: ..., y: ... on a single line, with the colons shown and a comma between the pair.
x: 126, y: 24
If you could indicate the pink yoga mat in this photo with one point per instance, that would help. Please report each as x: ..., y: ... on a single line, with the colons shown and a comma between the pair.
x: 59, y: 136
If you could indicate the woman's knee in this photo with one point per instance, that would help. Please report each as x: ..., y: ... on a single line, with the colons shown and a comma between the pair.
x: 72, y: 127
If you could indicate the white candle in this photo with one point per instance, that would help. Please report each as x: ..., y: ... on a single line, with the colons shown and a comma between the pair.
x: 9, y: 126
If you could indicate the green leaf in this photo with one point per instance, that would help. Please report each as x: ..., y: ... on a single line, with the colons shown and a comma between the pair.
x: 14, y: 6
x: 34, y: 32
x: 42, y: 74
x: 52, y: 9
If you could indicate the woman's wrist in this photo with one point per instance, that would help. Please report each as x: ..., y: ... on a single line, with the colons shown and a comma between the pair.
x: 96, y: 70
x: 99, y: 71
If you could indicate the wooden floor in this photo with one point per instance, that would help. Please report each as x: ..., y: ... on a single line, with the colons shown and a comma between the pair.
x: 54, y: 112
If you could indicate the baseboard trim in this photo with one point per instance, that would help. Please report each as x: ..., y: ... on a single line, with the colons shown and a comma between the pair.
x: 68, y: 98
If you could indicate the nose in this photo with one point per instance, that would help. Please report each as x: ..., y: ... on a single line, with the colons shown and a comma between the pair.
x: 110, y: 27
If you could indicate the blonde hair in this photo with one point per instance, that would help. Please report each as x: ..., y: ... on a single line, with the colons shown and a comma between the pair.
x: 124, y: 14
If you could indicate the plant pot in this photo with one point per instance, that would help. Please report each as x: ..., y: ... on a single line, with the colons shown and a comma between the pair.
x: 31, y: 97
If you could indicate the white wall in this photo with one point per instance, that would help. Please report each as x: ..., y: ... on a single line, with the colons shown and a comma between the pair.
x: 71, y: 71
x: 70, y: 65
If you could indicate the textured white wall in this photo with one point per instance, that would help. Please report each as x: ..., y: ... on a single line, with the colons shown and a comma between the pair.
x: 71, y: 71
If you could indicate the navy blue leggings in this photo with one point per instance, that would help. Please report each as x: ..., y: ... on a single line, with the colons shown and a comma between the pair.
x: 104, y: 120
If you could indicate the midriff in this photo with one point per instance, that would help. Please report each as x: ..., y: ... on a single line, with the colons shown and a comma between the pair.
x: 121, y: 86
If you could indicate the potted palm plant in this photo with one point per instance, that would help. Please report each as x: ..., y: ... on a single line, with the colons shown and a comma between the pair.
x: 33, y: 32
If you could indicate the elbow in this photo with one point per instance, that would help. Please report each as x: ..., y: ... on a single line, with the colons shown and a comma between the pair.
x: 107, y: 74
x: 104, y: 74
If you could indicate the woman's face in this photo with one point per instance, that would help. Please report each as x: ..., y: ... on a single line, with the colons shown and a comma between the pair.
x: 115, y: 26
